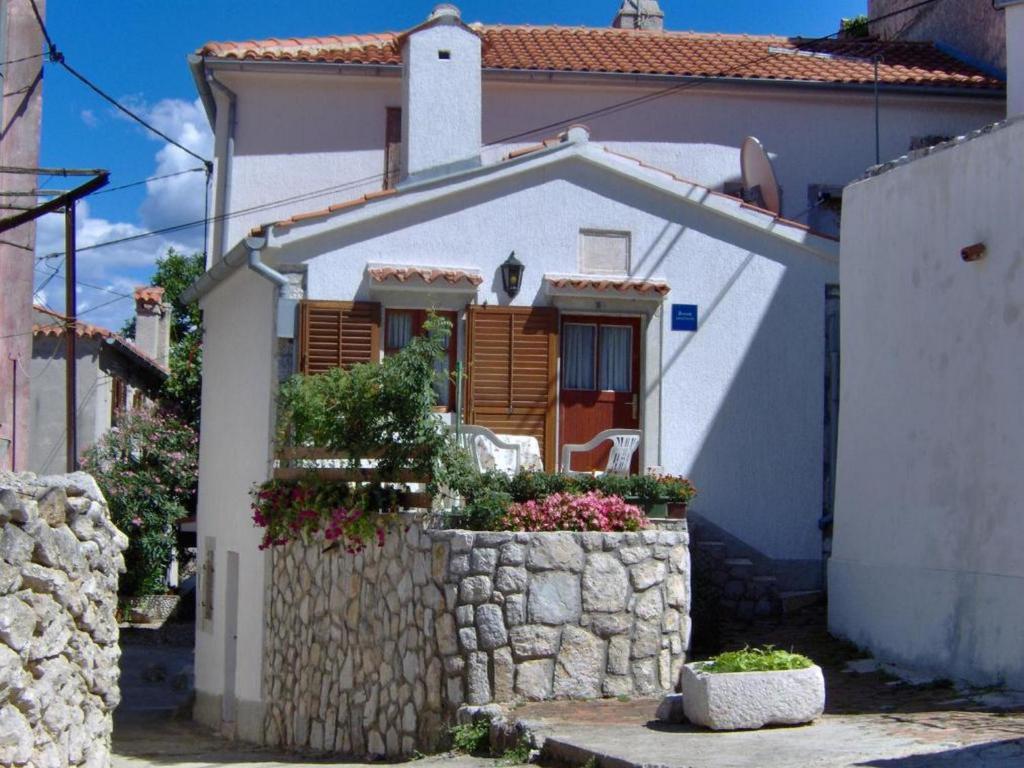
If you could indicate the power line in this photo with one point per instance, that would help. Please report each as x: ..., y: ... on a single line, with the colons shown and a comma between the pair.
x: 147, y: 180
x: 58, y: 58
x: 23, y: 58
x: 684, y: 86
x: 609, y: 109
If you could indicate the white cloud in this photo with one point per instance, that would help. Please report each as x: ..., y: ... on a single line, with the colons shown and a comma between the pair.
x: 107, y: 274
x: 181, y: 198
x: 89, y: 118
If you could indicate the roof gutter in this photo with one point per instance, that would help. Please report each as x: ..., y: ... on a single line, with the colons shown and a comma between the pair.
x: 245, y: 253
x: 608, y: 78
x: 222, y: 196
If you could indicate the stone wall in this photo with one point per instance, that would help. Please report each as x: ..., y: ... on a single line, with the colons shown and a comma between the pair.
x: 374, y: 653
x: 60, y: 557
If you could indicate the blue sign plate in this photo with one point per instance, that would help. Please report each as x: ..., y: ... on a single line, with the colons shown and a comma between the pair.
x: 684, y: 317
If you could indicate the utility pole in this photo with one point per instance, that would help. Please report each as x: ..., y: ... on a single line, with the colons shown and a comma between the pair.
x: 71, y: 337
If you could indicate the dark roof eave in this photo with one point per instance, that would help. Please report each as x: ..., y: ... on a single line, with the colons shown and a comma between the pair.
x: 501, y: 73
x: 127, y: 350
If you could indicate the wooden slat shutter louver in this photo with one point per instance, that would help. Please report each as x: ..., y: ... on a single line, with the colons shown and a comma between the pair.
x: 513, y: 372
x: 338, y: 333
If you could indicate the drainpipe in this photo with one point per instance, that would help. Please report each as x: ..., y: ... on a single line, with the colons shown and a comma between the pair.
x: 254, y: 245
x: 224, y: 169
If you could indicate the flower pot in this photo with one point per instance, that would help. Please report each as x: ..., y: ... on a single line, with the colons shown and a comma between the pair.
x: 658, y: 509
x: 735, y: 701
x: 677, y: 510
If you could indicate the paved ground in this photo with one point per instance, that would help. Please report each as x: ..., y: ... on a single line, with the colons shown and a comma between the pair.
x: 871, y: 720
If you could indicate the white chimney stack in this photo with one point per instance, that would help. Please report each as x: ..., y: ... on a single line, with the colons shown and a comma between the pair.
x: 153, y: 323
x: 441, y: 114
x: 1014, y: 11
x: 639, y: 14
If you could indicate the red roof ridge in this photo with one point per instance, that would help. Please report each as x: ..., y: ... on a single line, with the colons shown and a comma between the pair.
x: 88, y: 331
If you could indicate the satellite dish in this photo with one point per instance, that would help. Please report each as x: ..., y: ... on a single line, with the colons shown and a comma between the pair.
x: 759, y: 183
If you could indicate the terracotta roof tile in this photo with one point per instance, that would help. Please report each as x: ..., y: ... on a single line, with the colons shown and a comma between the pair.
x: 149, y: 294
x: 683, y: 54
x: 608, y: 284
x: 58, y: 325
x: 380, y: 274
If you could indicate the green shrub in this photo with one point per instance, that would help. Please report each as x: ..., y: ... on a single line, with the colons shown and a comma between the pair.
x: 765, y: 659
x: 472, y: 738
x: 147, y: 468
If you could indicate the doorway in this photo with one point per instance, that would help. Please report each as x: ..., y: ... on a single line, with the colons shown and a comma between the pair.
x: 600, y: 383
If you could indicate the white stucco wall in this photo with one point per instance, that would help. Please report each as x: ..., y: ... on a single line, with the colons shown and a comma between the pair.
x: 1015, y: 59
x: 234, y: 453
x: 300, y: 133
x: 741, y: 400
x: 441, y: 122
x: 926, y: 567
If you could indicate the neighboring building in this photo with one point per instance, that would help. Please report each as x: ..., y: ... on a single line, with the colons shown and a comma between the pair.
x: 926, y: 568
x: 971, y: 29
x: 21, y: 75
x: 708, y: 314
x: 114, y: 376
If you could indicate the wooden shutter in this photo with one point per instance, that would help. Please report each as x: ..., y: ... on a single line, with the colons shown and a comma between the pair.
x: 338, y: 333
x: 392, y: 147
x: 513, y: 380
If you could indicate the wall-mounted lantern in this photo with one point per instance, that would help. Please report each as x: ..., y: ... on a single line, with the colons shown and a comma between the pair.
x: 512, y: 275
x: 974, y: 252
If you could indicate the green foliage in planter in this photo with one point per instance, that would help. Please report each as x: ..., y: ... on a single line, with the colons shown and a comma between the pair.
x: 373, y: 409
x: 147, y: 468
x: 487, y: 495
x: 767, y: 659
x: 348, y: 513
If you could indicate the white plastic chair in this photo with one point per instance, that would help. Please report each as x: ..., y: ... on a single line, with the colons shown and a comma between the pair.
x: 472, y: 437
x: 624, y: 444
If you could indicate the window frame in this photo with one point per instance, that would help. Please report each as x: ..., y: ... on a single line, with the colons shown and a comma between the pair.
x: 419, y: 317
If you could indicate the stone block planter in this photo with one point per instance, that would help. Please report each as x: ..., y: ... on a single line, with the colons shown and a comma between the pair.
x: 746, y: 700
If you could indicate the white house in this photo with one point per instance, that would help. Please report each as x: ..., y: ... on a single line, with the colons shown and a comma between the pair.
x: 364, y: 179
x: 926, y: 568
x: 114, y: 376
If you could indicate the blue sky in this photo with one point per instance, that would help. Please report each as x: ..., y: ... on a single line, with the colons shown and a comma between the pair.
x: 136, y: 52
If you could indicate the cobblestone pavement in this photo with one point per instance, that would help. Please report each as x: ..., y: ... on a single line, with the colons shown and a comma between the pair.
x: 871, y: 719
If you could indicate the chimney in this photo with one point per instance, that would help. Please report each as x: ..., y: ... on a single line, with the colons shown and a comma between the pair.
x: 153, y: 323
x: 440, y: 96
x: 639, y: 14
x: 1014, y: 12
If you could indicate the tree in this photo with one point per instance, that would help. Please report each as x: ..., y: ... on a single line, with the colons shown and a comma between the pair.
x: 181, y: 392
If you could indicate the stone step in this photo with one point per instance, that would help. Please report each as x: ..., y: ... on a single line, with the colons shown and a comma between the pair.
x: 794, y: 601
x: 739, y: 567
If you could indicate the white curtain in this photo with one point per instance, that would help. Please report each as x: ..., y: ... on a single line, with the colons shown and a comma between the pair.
x: 399, y: 331
x: 578, y: 356
x: 616, y: 358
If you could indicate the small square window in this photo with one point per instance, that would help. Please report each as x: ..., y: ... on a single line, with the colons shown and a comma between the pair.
x: 604, y: 253
x: 444, y: 55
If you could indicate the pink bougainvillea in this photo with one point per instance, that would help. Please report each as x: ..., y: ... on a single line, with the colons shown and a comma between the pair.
x: 591, y: 511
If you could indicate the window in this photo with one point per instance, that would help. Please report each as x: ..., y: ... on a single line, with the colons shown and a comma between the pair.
x: 392, y: 147
x: 825, y: 208
x: 597, y: 357
x: 118, y: 399
x: 338, y: 333
x: 604, y: 253
x: 401, y: 325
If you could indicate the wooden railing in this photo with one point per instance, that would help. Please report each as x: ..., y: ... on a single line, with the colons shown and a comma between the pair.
x: 293, y: 464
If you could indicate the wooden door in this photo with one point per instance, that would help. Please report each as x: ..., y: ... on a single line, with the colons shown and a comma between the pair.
x: 512, y: 373
x: 600, y: 386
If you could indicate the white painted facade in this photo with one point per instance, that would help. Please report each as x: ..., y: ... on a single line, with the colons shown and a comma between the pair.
x: 302, y: 133
x: 737, y: 406
x: 926, y: 568
x: 1014, y: 56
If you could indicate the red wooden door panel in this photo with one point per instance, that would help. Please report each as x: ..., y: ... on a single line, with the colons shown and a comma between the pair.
x: 600, y: 383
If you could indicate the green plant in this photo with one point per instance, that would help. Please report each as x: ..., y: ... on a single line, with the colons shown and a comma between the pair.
x: 382, y: 410
x: 856, y: 26
x: 767, y: 659
x: 518, y: 754
x: 471, y: 738
x: 147, y: 468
